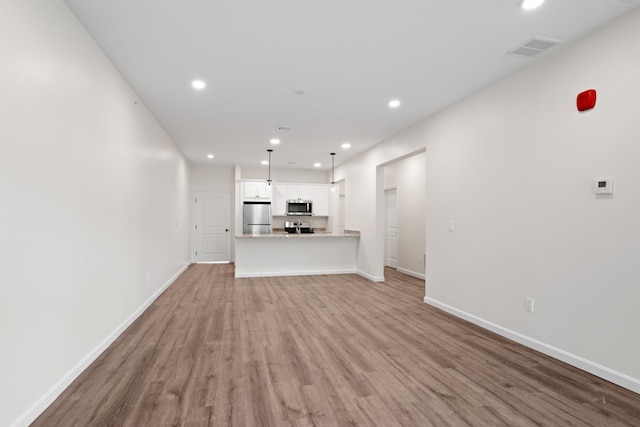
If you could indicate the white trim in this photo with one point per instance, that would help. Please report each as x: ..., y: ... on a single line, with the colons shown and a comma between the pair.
x: 309, y: 273
x: 370, y: 277
x: 608, y: 374
x: 412, y: 273
x: 47, y: 399
x: 213, y: 262
x: 293, y: 273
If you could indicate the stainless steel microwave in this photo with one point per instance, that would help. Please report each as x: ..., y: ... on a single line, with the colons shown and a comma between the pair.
x: 299, y: 207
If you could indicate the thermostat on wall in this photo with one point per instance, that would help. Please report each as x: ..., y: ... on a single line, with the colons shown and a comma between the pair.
x: 604, y: 186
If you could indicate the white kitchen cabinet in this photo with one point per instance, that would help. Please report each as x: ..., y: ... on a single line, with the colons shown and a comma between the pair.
x: 279, y: 199
x: 317, y: 193
x: 255, y: 190
x: 293, y: 191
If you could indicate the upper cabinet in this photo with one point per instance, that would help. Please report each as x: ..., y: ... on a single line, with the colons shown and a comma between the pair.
x: 317, y: 193
x: 279, y: 201
x: 297, y: 191
x: 255, y: 190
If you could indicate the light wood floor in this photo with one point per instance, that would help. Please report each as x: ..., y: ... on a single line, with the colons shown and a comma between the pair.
x: 324, y: 351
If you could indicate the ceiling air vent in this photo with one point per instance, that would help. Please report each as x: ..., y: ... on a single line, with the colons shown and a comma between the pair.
x: 533, y: 47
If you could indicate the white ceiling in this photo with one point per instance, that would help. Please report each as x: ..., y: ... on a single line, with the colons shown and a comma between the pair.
x: 350, y: 57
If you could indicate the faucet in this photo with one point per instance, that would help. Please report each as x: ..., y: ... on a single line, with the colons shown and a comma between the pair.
x: 298, y: 227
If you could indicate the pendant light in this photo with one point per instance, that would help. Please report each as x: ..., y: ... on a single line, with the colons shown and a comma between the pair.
x: 269, y: 177
x: 333, y: 172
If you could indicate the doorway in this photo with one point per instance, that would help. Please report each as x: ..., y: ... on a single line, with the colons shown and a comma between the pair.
x: 212, y: 227
x: 401, y: 207
x: 391, y: 244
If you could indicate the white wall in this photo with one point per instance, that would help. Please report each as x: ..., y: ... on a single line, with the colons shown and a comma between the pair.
x: 408, y: 176
x: 364, y: 197
x: 93, y: 196
x: 287, y: 175
x: 214, y: 178
x: 517, y: 179
x: 514, y: 166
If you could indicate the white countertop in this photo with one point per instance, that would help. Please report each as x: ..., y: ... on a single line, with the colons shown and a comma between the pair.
x: 285, y: 235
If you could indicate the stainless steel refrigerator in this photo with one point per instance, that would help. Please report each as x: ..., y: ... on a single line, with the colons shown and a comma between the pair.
x: 256, y: 218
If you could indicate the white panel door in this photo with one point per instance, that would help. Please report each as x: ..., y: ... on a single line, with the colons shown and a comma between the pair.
x: 391, y: 248
x: 212, y: 227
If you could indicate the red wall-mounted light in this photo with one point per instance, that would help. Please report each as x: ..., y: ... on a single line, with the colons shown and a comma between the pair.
x: 586, y: 100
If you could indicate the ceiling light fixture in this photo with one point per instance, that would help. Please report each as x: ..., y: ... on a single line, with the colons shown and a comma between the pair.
x: 531, y: 4
x: 317, y: 165
x: 394, y: 103
x: 210, y: 156
x: 198, y: 84
x: 346, y: 145
x: 333, y: 172
x: 275, y: 141
x: 264, y: 162
x: 269, y: 177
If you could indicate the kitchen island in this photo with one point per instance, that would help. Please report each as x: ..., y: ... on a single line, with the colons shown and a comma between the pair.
x: 282, y: 254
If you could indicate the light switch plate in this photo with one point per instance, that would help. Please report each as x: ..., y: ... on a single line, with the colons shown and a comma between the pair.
x: 528, y: 305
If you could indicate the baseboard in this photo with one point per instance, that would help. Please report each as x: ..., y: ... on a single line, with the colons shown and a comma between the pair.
x: 292, y: 273
x: 369, y: 276
x: 412, y: 273
x: 47, y: 399
x: 610, y: 375
x: 308, y: 273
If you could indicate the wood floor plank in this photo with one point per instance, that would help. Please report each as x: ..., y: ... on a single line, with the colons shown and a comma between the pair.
x: 324, y: 351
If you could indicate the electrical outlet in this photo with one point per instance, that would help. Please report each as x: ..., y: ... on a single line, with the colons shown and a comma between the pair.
x: 528, y: 305
x: 450, y: 225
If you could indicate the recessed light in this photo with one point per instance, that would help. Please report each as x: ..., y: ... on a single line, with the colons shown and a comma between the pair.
x: 198, y: 84
x: 394, y: 103
x: 265, y: 162
x: 275, y: 141
x: 531, y: 4
x: 346, y: 145
x: 317, y: 165
x: 210, y: 156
